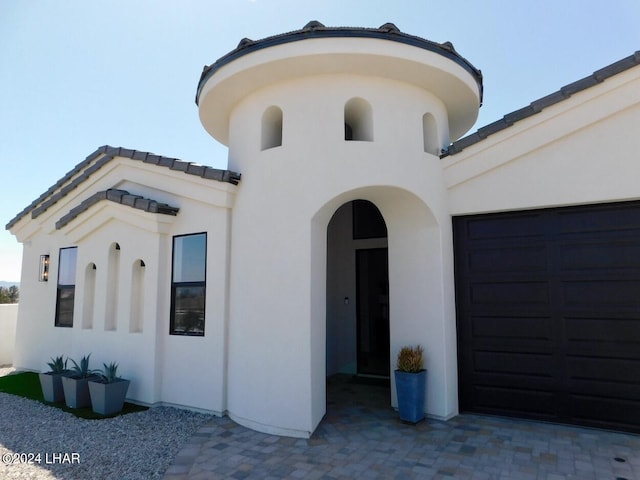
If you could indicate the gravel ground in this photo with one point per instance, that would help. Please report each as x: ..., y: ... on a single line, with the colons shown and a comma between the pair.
x: 134, y: 446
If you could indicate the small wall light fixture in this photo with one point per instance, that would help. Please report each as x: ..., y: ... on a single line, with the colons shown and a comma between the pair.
x: 44, y: 268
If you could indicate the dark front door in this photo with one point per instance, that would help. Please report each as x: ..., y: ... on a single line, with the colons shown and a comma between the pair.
x: 548, y: 306
x: 372, y: 283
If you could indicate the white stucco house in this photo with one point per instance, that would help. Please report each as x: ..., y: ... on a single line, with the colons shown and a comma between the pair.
x: 355, y: 218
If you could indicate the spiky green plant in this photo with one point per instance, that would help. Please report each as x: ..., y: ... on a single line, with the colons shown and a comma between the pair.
x: 410, y: 359
x: 82, y: 370
x: 57, y: 365
x: 109, y: 373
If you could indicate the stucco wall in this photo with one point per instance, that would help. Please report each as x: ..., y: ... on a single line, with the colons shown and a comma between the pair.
x: 125, y: 316
x: 278, y: 292
x: 8, y: 322
x: 581, y: 150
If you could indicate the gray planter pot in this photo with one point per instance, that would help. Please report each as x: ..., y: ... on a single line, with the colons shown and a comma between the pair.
x: 108, y: 398
x: 76, y: 391
x: 51, y: 384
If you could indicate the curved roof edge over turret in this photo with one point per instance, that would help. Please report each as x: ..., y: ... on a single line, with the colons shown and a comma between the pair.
x: 315, y: 29
x: 318, y: 50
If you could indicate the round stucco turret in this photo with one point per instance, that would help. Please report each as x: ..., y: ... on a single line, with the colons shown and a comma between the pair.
x: 297, y: 87
x: 314, y: 120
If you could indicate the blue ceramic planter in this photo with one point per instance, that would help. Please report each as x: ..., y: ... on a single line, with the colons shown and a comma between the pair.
x: 411, y: 389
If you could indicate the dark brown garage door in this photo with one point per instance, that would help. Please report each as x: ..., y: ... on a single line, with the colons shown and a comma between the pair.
x: 548, y: 305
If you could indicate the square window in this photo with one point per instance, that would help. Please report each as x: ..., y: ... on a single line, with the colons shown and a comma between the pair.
x: 64, y: 307
x: 188, y: 311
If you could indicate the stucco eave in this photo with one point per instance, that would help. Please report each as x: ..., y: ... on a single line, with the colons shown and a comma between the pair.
x: 447, y: 80
x: 25, y: 230
x: 554, y: 123
x: 316, y: 30
x: 604, y: 74
x: 95, y: 162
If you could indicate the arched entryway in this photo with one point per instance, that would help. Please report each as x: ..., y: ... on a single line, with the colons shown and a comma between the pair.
x: 357, y: 292
x: 420, y: 286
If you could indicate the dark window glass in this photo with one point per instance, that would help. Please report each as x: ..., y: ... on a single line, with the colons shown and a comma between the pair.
x: 66, y: 287
x: 188, y: 286
x: 367, y: 221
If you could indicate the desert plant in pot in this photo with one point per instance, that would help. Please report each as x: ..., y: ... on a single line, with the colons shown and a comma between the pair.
x: 76, y: 386
x: 411, y: 384
x: 108, y: 391
x: 51, y: 381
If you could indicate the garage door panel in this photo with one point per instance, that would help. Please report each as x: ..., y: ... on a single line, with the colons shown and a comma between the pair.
x: 601, y: 293
x: 515, y: 259
x: 492, y: 399
x: 548, y: 305
x: 544, y: 382
x: 608, y: 219
x: 604, y: 329
x: 524, y: 341
x: 603, y: 337
x: 619, y: 255
x: 504, y: 294
x: 627, y: 352
x: 514, y: 363
x: 605, y: 391
x: 514, y: 328
x: 604, y: 370
x: 508, y: 226
x: 605, y: 412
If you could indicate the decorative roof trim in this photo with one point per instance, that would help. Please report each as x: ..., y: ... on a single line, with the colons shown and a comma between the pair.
x: 315, y: 29
x: 537, y: 106
x: 89, y: 166
x: 118, y: 196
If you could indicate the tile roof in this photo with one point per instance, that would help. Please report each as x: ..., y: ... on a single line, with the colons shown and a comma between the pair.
x: 537, y: 106
x: 104, y: 155
x: 315, y: 29
x: 118, y: 196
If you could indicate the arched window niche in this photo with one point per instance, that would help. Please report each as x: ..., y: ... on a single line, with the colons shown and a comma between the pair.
x: 358, y: 120
x: 137, y: 296
x: 271, y: 128
x: 113, y: 283
x: 89, y: 296
x: 430, y: 134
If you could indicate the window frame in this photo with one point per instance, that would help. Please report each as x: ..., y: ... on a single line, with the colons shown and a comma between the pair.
x: 64, y: 288
x: 175, y: 286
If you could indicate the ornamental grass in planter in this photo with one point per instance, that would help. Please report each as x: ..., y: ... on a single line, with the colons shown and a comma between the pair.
x: 411, y: 384
x: 51, y: 381
x: 27, y: 385
x: 76, y: 386
x: 108, y: 391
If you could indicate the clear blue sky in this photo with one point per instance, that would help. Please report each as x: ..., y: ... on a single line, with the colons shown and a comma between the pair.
x: 78, y: 74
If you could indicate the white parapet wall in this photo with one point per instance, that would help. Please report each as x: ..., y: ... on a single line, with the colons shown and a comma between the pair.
x: 8, y: 322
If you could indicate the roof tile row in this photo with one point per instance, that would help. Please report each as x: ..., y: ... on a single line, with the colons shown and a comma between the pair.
x: 537, y: 106
x: 89, y: 166
x: 315, y: 29
x: 118, y: 196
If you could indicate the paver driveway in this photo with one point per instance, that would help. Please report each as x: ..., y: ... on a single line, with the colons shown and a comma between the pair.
x: 361, y: 437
